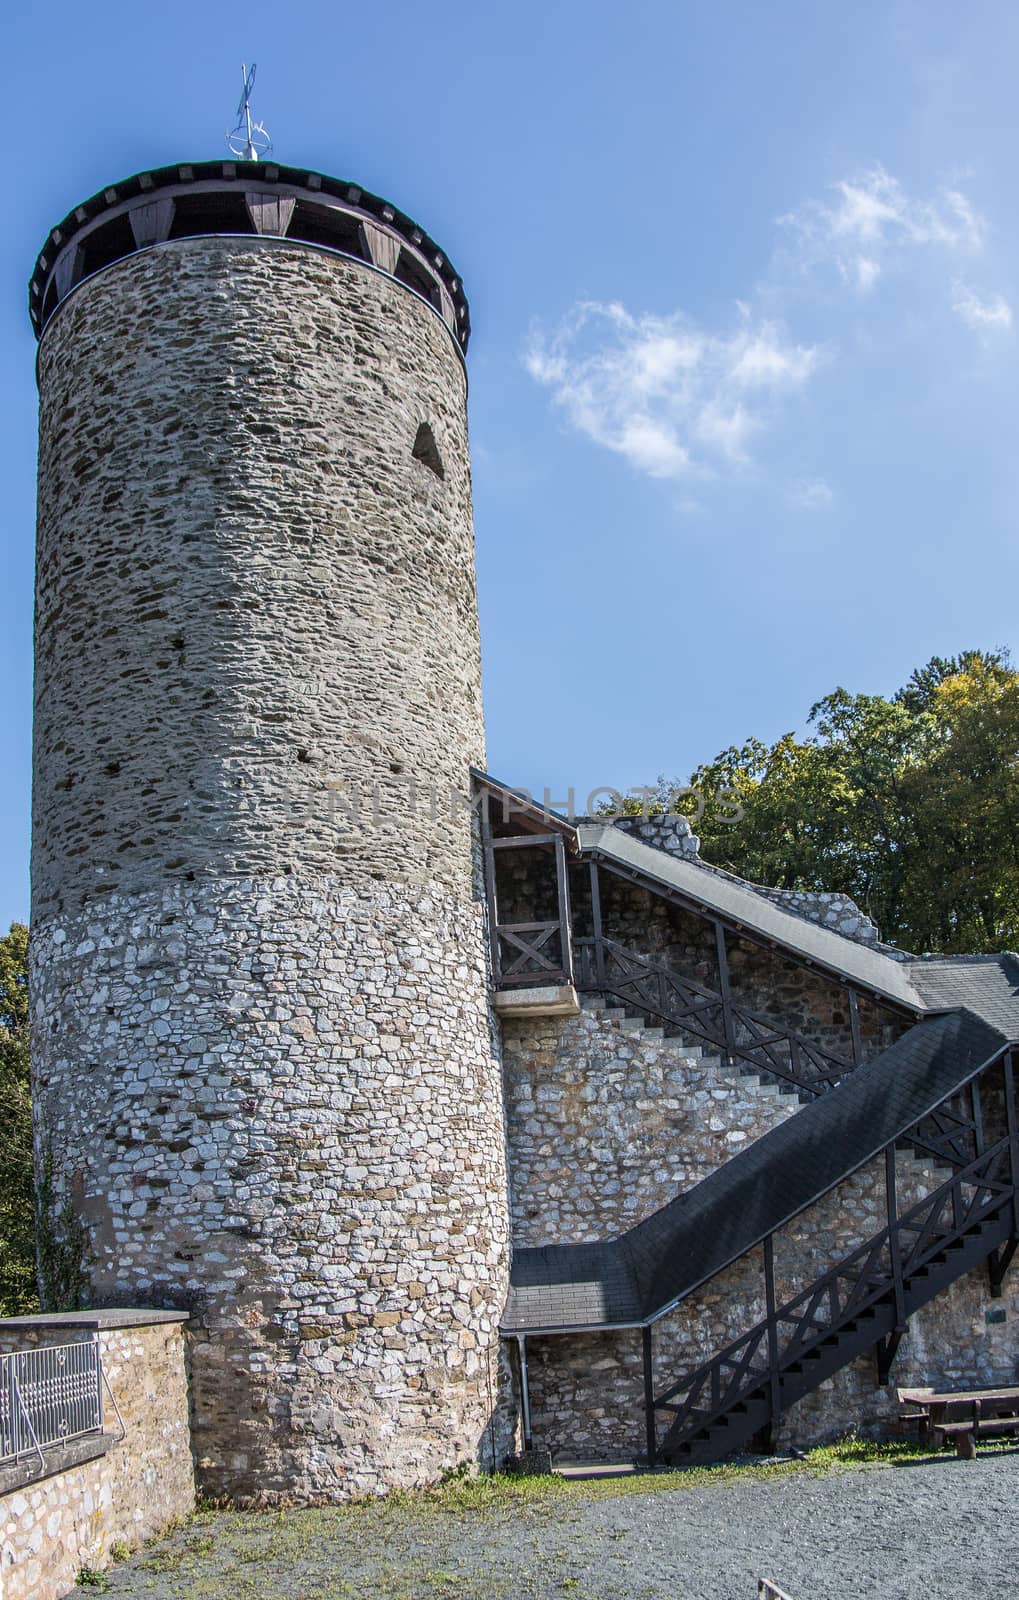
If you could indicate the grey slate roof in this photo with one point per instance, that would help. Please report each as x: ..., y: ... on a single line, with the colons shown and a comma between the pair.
x: 740, y: 903
x: 970, y: 1007
x: 986, y: 985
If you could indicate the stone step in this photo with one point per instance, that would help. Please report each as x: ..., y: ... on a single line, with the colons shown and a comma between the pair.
x: 764, y: 1087
x: 693, y: 1052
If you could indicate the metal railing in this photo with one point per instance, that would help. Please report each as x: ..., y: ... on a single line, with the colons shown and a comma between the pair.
x: 49, y: 1396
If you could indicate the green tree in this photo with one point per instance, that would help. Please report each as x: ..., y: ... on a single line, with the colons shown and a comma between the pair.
x: 17, y: 1230
x: 909, y: 805
x: 962, y: 887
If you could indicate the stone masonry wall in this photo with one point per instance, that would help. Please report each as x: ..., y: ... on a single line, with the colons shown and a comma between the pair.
x: 762, y: 980
x: 294, y: 1132
x: 253, y: 602
x: 664, y: 830
x: 607, y: 1121
x: 266, y: 1072
x: 672, y: 832
x: 831, y: 910
x: 53, y: 1525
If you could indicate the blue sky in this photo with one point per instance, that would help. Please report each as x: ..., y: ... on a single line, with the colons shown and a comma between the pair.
x: 744, y: 284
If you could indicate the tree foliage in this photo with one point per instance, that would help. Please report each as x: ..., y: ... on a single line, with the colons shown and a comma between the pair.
x: 17, y: 1229
x: 909, y: 805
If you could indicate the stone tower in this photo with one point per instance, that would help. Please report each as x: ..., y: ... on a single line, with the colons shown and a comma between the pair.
x: 267, y: 1086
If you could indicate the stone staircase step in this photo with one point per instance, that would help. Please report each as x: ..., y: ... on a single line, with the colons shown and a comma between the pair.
x: 638, y: 1027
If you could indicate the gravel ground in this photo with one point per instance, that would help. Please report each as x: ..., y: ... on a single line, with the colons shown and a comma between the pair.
x: 938, y: 1529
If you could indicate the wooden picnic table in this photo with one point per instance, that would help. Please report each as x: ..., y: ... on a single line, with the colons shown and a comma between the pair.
x: 964, y: 1415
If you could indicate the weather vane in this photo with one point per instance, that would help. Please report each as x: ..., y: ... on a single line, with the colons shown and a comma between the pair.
x: 248, y: 139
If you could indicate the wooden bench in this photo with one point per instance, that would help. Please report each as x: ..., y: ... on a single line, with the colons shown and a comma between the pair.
x: 962, y: 1415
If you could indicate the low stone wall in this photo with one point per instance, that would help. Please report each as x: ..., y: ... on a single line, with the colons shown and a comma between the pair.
x: 671, y: 832
x: 831, y: 910
x: 105, y: 1490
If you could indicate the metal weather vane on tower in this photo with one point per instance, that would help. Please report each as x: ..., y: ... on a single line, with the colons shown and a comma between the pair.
x: 248, y: 140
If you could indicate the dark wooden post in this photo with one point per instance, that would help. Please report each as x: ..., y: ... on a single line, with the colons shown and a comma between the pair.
x: 725, y: 991
x: 894, y: 1243
x: 596, y: 927
x: 563, y: 891
x: 976, y: 1103
x: 769, y: 1295
x: 1013, y: 1138
x: 854, y: 1027
x: 649, y: 1397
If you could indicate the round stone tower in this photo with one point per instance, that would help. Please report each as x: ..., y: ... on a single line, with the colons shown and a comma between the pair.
x: 266, y: 1082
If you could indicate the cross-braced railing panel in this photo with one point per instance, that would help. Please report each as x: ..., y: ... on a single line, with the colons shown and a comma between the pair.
x: 760, y: 1042
x: 951, y: 1133
x: 529, y: 950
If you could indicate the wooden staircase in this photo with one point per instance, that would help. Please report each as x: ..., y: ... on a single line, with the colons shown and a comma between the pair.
x: 861, y: 1304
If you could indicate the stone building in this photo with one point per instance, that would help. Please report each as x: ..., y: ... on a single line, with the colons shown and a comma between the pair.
x: 453, y: 1123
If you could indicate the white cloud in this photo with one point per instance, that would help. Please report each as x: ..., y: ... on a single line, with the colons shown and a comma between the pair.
x: 872, y: 222
x: 811, y: 494
x: 683, y: 402
x: 988, y: 313
x: 676, y: 400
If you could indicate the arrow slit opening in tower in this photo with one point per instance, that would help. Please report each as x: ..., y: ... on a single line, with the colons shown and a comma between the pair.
x: 427, y: 451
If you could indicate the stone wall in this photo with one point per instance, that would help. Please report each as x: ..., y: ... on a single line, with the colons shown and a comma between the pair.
x: 288, y: 612
x: 97, y: 1493
x: 293, y: 1132
x: 835, y: 911
x: 664, y: 830
x: 265, y: 1069
x: 607, y: 1122
x: 672, y: 832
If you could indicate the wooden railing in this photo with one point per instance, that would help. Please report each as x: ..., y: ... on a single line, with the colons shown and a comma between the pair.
x: 531, y: 953
x: 762, y: 1044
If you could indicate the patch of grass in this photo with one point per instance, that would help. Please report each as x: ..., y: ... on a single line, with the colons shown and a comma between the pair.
x: 91, y: 1578
x: 853, y: 1450
x: 493, y: 1492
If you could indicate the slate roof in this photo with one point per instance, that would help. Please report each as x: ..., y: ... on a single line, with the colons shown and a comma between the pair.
x: 986, y: 985
x: 970, y: 1010
x: 740, y: 903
